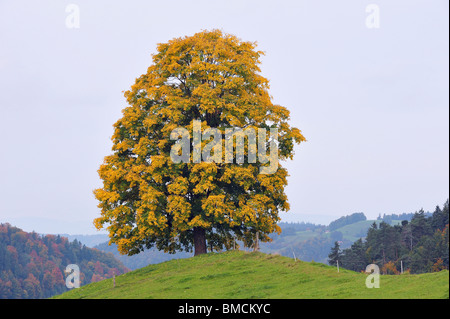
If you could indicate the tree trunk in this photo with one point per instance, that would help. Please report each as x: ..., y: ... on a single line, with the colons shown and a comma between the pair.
x: 199, y: 241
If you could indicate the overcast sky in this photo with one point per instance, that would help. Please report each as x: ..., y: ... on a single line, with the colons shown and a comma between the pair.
x: 372, y: 102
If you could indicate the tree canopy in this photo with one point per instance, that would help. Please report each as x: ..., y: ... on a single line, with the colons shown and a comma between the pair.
x: 212, y: 79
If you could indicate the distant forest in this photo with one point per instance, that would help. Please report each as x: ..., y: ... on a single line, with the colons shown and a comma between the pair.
x: 419, y: 245
x: 346, y: 220
x: 32, y: 266
x: 405, y: 216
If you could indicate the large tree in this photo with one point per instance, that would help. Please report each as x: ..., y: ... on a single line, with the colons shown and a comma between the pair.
x: 211, y: 80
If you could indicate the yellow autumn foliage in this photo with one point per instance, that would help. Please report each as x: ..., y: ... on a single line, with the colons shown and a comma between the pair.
x: 146, y: 199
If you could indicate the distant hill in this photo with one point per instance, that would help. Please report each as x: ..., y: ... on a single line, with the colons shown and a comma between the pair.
x: 33, y: 265
x: 242, y: 275
x: 400, y: 217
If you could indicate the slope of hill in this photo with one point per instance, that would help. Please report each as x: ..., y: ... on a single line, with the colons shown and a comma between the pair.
x: 144, y: 258
x: 33, y: 265
x: 355, y: 231
x: 237, y: 274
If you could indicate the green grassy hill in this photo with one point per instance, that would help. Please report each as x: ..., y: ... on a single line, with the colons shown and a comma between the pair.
x: 238, y: 274
x: 354, y: 231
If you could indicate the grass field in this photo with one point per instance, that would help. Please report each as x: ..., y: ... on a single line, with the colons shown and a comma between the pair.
x: 238, y: 274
